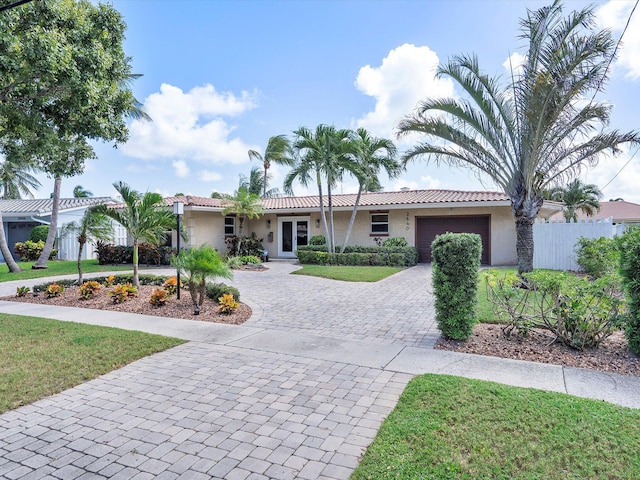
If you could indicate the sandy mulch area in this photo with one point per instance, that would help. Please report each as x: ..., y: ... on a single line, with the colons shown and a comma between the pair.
x: 487, y: 339
x: 173, y: 308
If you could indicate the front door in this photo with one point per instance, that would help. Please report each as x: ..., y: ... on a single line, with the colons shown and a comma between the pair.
x: 293, y: 233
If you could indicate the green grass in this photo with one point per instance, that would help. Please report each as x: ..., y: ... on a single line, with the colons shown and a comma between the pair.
x: 58, y: 267
x: 40, y: 357
x: 453, y: 428
x: 348, y: 273
x: 484, y: 310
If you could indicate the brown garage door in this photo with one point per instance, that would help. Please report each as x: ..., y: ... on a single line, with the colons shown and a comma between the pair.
x: 427, y: 228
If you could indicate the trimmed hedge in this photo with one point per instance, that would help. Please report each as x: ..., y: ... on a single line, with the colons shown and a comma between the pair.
x: 148, y: 254
x: 630, y: 272
x: 359, y: 255
x: 456, y: 260
x: 145, y: 279
x: 39, y: 233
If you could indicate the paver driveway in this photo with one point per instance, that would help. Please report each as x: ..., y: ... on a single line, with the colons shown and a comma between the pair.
x: 237, y: 410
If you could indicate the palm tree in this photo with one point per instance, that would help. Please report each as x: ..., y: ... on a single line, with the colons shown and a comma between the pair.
x: 278, y: 151
x: 80, y: 192
x: 370, y: 155
x: 576, y: 196
x: 198, y: 265
x: 145, y: 217
x: 244, y: 205
x: 256, y: 183
x: 533, y: 131
x: 91, y: 227
x: 323, y: 152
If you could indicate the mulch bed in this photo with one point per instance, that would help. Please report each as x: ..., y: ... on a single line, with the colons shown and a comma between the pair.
x: 611, y: 356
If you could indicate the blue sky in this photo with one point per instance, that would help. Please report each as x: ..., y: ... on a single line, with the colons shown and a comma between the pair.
x: 221, y: 77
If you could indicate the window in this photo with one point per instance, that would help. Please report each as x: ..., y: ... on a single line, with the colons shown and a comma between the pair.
x: 380, y: 224
x: 229, y: 226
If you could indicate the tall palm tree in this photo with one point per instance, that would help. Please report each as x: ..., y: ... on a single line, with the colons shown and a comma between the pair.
x: 535, y: 130
x: 278, y: 151
x: 324, y: 152
x: 576, y: 196
x: 369, y: 155
x: 244, y: 205
x: 145, y: 217
x: 92, y: 226
x: 80, y: 192
x: 256, y: 183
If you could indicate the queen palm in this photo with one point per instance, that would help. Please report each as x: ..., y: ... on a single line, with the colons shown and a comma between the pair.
x: 576, y: 196
x: 92, y: 226
x: 80, y: 192
x: 321, y: 153
x: 278, y: 151
x: 533, y: 131
x: 368, y: 156
x: 145, y: 217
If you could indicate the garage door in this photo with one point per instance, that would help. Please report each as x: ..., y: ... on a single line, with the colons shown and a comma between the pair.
x: 427, y: 228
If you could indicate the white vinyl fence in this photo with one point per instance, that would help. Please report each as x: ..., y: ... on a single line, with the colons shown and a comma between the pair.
x: 554, y: 242
x: 68, y: 245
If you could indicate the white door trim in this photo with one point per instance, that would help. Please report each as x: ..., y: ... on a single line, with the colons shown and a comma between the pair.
x: 281, y: 220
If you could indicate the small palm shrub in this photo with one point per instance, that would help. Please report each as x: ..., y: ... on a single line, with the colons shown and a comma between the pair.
x: 89, y: 289
x: 22, y: 291
x: 227, y: 304
x: 54, y: 290
x: 122, y: 292
x: 456, y: 259
x: 159, y: 297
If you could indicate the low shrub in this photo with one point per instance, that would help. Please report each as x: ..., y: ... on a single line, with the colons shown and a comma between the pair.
x: 89, y: 289
x: 148, y: 254
x: 318, y: 240
x: 122, y: 292
x: 22, y: 291
x: 54, y: 290
x: 576, y: 311
x: 227, y: 304
x: 456, y: 259
x: 630, y: 272
x: 170, y: 285
x: 30, y: 251
x: 395, y: 242
x: 247, y: 259
x: 216, y: 290
x: 39, y: 233
x: 159, y: 297
x: 598, y: 256
x: 251, y: 245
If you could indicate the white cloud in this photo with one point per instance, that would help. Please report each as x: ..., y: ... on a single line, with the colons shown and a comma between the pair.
x: 406, y: 76
x: 614, y: 15
x: 191, y: 124
x: 625, y: 184
x: 180, y: 168
x: 514, y: 64
x: 210, y: 176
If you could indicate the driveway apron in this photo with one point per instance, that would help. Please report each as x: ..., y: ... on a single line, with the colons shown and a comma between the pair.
x: 299, y: 391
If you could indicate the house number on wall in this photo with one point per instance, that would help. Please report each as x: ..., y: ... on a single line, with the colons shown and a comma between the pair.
x: 407, y: 221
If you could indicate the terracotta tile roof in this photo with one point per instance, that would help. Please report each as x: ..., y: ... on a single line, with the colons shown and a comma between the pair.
x: 44, y: 206
x: 621, y: 211
x: 406, y: 197
x: 195, y: 201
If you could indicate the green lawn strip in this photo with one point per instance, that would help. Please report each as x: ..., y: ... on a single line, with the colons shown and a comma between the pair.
x: 40, y: 357
x: 348, y: 273
x: 58, y: 267
x: 448, y: 427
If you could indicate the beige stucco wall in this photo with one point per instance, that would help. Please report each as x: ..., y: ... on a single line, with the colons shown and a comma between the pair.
x: 204, y: 227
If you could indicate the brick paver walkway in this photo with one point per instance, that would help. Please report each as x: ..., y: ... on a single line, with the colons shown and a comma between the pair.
x: 206, y: 410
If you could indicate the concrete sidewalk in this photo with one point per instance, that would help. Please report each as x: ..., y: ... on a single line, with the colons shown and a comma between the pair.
x: 293, y: 393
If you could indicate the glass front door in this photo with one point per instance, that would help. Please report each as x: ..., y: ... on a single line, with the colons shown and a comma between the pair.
x: 294, y: 232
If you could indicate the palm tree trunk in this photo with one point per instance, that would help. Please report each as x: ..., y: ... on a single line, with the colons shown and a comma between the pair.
x: 524, y: 243
x: 323, y: 218
x: 351, y: 220
x: 136, y: 281
x: 6, y: 253
x: 80, y: 247
x: 264, y: 181
x: 41, y: 263
x: 332, y: 239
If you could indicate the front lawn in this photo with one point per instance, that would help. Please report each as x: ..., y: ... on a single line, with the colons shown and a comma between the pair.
x: 348, y: 273
x: 454, y: 428
x: 40, y: 357
x: 57, y: 267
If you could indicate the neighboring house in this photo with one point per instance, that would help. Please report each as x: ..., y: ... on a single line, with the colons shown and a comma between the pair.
x: 21, y: 216
x: 416, y: 215
x: 620, y: 211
